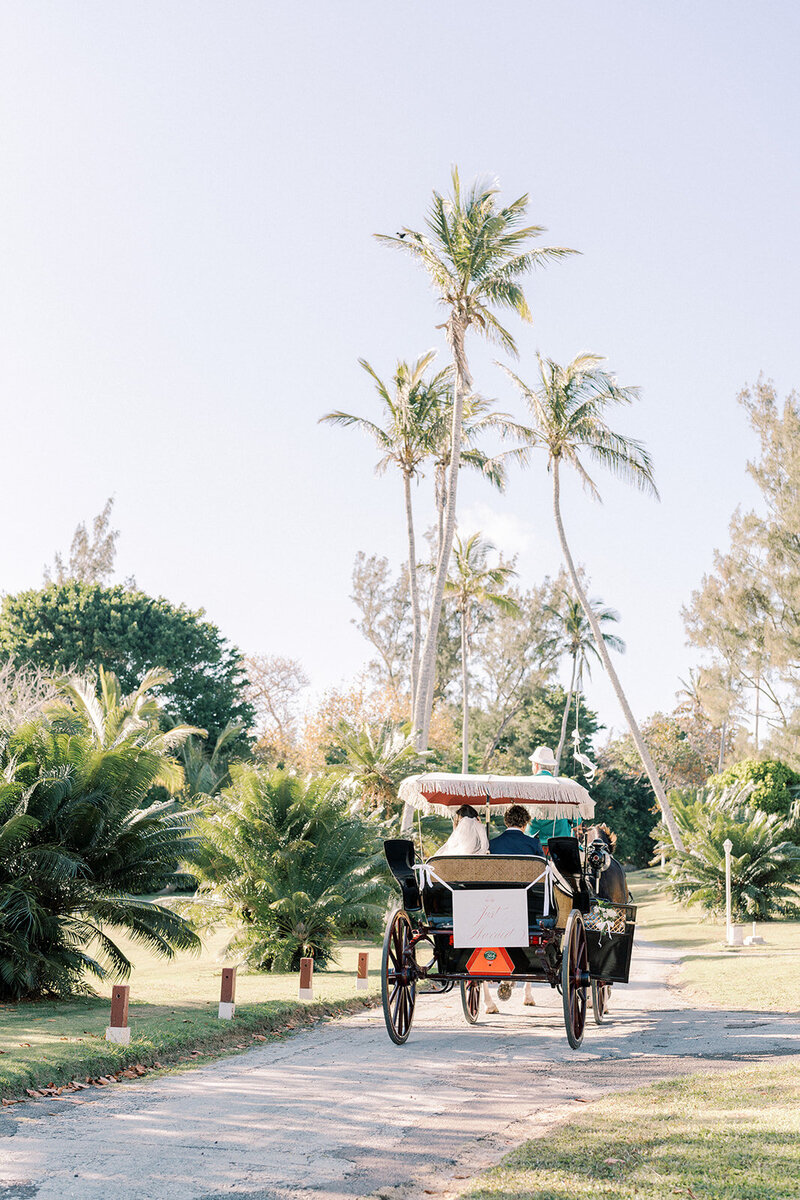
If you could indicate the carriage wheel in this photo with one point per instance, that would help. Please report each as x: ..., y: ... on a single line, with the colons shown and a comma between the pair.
x: 471, y: 1000
x: 398, y: 977
x: 600, y: 996
x: 574, y: 971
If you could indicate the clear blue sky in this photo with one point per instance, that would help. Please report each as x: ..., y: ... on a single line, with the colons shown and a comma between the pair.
x: 188, y: 278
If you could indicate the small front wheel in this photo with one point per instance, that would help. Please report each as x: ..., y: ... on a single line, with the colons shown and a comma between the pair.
x: 600, y: 996
x: 398, y: 977
x: 574, y: 975
x: 471, y: 1000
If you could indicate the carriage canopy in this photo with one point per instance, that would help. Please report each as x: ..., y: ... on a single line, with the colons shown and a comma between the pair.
x: 544, y: 797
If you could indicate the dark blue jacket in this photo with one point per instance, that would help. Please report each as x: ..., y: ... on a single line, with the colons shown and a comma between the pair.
x: 514, y: 841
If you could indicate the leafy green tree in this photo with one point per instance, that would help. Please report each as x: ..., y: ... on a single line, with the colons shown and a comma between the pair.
x: 568, y: 410
x: 79, y: 626
x: 577, y: 641
x: 765, y: 863
x: 535, y: 723
x: 293, y: 869
x: 475, y: 252
x: 472, y: 586
x: 624, y: 800
x: 79, y: 847
x: 774, y: 785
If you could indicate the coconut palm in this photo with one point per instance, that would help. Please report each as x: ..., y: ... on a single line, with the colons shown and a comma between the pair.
x: 474, y: 585
x: 577, y: 640
x: 475, y: 252
x: 568, y: 409
x: 412, y: 407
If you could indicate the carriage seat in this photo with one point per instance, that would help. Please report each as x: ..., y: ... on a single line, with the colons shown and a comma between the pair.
x: 488, y: 868
x: 504, y: 869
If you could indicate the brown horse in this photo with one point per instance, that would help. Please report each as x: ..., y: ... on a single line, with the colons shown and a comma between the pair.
x: 603, y: 869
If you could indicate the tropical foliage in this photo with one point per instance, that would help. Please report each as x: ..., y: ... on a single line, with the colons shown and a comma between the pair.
x: 293, y: 868
x: 765, y: 862
x: 80, y: 845
x: 375, y: 761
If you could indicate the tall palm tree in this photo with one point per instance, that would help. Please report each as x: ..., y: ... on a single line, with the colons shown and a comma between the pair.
x: 474, y: 585
x: 568, y: 409
x: 476, y: 252
x: 412, y: 411
x: 577, y: 640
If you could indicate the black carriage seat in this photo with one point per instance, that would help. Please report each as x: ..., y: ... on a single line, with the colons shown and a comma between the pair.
x: 495, y: 870
x: 400, y: 856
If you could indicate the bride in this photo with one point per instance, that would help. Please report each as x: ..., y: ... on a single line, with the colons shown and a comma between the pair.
x: 468, y: 836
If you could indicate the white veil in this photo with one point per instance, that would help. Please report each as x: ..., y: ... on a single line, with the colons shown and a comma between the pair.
x: 468, y: 837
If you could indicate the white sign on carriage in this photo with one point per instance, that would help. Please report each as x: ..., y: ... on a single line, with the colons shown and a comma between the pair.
x: 490, y: 917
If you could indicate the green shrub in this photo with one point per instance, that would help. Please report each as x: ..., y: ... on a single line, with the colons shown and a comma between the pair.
x: 773, y: 783
x: 287, y: 862
x: 78, y: 849
x: 765, y: 862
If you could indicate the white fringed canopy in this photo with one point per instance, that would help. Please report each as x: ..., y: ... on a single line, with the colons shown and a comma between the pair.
x: 544, y: 797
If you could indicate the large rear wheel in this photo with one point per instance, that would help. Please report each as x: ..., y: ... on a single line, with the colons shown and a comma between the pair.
x: 398, y: 977
x: 600, y: 995
x: 574, y: 977
x: 471, y: 1000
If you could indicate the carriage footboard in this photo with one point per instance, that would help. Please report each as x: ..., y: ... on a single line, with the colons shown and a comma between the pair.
x: 609, y: 936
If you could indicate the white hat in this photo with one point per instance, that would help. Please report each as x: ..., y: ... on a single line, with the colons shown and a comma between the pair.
x: 543, y: 757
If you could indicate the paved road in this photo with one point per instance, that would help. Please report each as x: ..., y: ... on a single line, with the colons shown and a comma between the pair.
x: 340, y: 1112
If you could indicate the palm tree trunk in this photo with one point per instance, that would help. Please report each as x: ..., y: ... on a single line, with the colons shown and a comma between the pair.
x: 722, y: 733
x: 441, y: 504
x: 413, y: 588
x: 425, y: 682
x: 565, y: 718
x: 644, y: 753
x: 465, y: 696
x: 758, y: 706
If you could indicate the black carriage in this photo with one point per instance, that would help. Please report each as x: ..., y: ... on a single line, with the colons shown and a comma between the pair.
x: 466, y: 920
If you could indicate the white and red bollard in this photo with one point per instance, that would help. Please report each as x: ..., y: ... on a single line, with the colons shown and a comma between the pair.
x: 118, y: 1030
x: 362, y: 978
x: 306, y: 989
x: 227, y: 994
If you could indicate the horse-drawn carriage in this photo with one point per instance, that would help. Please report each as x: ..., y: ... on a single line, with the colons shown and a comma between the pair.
x: 505, y: 918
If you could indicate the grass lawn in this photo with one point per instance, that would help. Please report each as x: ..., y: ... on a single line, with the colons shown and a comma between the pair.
x: 173, y: 1009
x: 758, y: 977
x: 718, y: 1136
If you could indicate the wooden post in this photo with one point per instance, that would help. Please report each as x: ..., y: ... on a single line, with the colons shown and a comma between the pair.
x: 362, y: 979
x: 118, y: 1030
x: 227, y: 994
x: 306, y: 990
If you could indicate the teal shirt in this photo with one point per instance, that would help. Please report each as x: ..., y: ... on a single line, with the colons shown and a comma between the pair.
x: 558, y: 827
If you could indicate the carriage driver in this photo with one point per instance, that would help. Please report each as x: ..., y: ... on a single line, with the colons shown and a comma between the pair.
x: 543, y: 763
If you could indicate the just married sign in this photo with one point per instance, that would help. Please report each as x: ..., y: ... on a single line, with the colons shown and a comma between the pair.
x: 490, y: 917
